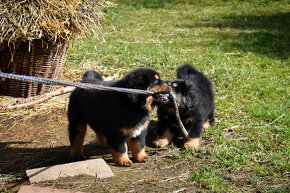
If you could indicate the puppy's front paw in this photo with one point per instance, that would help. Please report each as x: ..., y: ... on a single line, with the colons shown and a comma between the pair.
x: 124, y: 162
x: 141, y: 157
x: 121, y: 159
x: 162, y: 142
x: 192, y: 143
x: 138, y: 153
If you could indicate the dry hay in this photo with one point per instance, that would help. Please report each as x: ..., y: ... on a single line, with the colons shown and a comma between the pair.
x: 50, y: 20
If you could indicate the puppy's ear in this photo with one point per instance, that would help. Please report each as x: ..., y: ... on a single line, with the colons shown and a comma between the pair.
x: 137, y: 98
x: 177, y: 83
x: 180, y: 81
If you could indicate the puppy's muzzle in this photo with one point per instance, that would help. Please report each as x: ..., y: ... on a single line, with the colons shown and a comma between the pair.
x: 163, y: 87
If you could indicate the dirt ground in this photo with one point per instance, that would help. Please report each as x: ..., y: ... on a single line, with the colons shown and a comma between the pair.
x: 37, y: 137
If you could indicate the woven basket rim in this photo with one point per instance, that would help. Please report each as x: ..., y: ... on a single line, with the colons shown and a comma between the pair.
x: 40, y: 62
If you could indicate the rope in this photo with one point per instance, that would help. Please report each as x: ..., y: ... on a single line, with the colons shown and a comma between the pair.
x: 181, y: 126
x: 41, y: 80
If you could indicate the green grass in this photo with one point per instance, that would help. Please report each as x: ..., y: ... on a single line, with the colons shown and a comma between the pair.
x: 243, y: 47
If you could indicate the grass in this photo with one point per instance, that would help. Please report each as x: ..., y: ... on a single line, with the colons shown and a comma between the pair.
x: 243, y: 47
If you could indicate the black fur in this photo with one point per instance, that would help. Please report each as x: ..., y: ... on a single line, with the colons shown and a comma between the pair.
x: 112, y: 113
x: 195, y: 98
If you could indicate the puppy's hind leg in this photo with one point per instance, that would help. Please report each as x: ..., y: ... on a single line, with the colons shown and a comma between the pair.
x: 77, y: 128
x: 209, y: 121
x: 211, y: 117
x: 77, y: 135
x: 102, y: 140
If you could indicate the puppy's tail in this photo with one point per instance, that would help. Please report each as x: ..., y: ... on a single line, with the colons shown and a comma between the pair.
x: 184, y: 71
x: 92, y: 77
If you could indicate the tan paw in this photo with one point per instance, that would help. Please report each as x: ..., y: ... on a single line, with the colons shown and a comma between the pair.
x: 121, y: 159
x: 192, y: 143
x: 124, y: 162
x: 138, y: 153
x: 141, y: 157
x: 206, y: 125
x: 161, y: 142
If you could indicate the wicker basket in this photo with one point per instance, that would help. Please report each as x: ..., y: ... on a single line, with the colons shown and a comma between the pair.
x: 35, y: 59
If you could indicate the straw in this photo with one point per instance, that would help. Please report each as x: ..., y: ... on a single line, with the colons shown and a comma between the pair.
x: 50, y: 20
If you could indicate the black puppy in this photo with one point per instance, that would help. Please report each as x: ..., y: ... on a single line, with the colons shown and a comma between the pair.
x: 195, y: 98
x: 116, y: 117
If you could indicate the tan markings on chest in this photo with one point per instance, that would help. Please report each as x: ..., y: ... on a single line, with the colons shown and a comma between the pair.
x: 136, y: 131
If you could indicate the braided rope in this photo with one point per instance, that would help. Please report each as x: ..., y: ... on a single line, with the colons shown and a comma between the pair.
x: 41, y: 80
x: 181, y: 126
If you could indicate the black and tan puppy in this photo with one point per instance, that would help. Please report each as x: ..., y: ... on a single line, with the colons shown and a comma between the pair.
x: 116, y: 117
x: 195, y: 99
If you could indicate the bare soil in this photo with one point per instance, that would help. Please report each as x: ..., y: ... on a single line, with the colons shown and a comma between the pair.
x: 38, y: 137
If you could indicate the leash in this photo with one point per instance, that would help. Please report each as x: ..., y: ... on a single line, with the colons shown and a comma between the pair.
x: 41, y: 80
x: 48, y: 81
x: 181, y: 126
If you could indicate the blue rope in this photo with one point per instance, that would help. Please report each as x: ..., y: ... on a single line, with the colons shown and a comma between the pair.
x: 90, y: 86
x: 74, y: 84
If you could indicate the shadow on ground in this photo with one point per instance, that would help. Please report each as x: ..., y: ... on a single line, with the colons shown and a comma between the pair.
x: 18, y: 160
x: 265, y: 34
x: 155, y: 175
x: 28, y: 142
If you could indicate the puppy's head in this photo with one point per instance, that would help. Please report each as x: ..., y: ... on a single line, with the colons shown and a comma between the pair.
x: 146, y: 79
x: 179, y: 89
